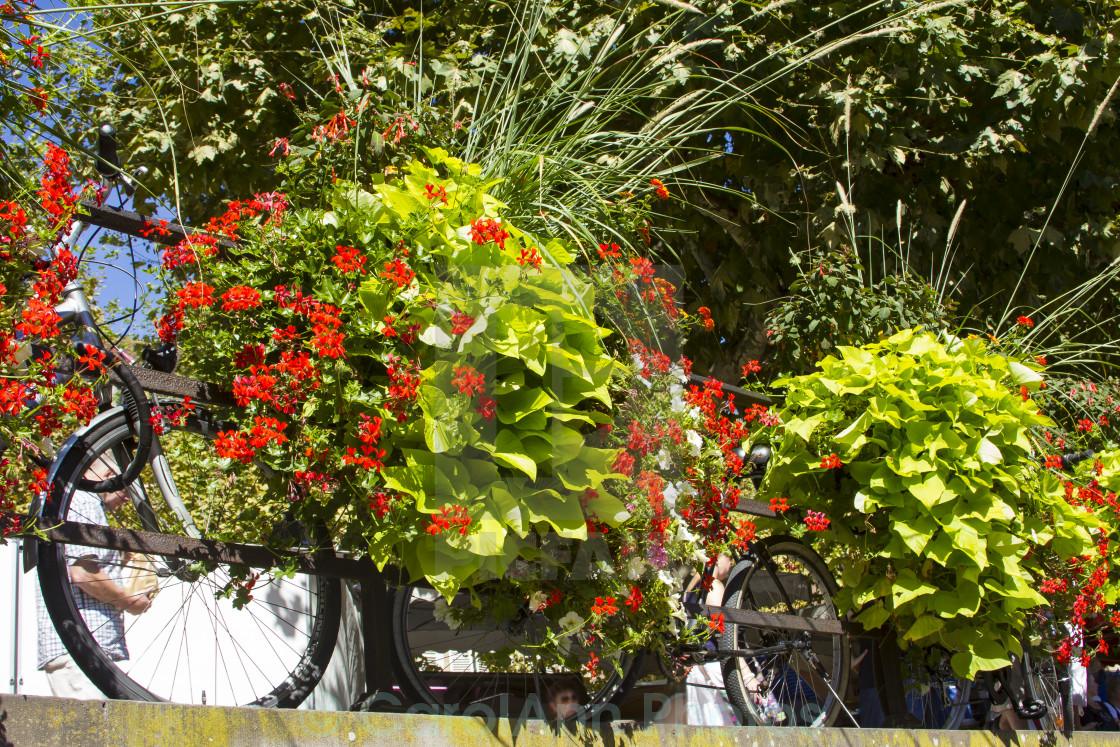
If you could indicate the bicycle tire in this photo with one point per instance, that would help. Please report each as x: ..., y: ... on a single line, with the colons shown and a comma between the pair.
x: 1053, y: 685
x: 451, y: 669
x: 935, y: 696
x: 788, y: 578
x: 197, y: 652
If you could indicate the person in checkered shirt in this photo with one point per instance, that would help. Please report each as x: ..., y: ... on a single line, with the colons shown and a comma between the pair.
x: 96, y: 574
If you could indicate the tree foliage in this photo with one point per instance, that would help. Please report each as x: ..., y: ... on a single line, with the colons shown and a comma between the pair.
x: 751, y: 114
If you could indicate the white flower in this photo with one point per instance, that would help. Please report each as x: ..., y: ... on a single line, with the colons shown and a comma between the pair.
x: 670, y: 493
x: 678, y: 608
x: 684, y: 488
x: 695, y: 443
x: 537, y: 600
x: 676, y: 398
x: 670, y: 580
x: 684, y: 534
x: 677, y: 373
x: 444, y: 614
x: 664, y: 460
x: 639, y: 365
x: 635, y: 567
x: 570, y: 623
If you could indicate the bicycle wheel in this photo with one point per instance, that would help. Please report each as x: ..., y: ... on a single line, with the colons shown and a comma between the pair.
x: 457, y: 659
x: 1052, y: 685
x: 796, y: 678
x: 934, y: 695
x: 210, y: 634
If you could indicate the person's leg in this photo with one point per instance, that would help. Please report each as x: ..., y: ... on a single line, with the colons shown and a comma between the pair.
x: 68, y: 681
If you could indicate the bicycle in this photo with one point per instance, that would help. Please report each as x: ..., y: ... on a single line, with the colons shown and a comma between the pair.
x: 206, y: 604
x: 783, y: 645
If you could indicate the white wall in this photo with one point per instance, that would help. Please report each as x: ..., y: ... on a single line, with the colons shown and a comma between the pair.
x: 18, y: 629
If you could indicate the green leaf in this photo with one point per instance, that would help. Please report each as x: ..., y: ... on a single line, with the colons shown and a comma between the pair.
x: 509, y: 452
x: 924, y: 627
x: 873, y: 617
x: 930, y: 491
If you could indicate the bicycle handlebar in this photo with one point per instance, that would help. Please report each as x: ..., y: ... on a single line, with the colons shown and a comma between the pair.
x: 108, y: 161
x: 1068, y: 460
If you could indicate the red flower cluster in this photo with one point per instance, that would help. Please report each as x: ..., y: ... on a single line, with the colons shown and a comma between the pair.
x: 460, y: 323
x: 634, y: 601
x: 258, y: 385
x: 335, y: 129
x: 398, y: 272
x: 485, y: 230
x: 15, y: 219
x: 779, y: 505
x: 609, y: 251
x: 831, y: 462
x: 816, y: 521
x: 660, y: 189
x: 185, y: 253
x: 642, y: 269
x: 348, y: 259
x: 435, y: 192
x: 1053, y: 462
x: 169, y: 326
x: 159, y: 228
x: 530, y: 256
x: 751, y: 367
x: 55, y: 191
x: 706, y: 314
x: 240, y: 298
x: 468, y: 380
x: 398, y: 129
x: 195, y: 295
x: 448, y: 517
x: 234, y: 445
x: 80, y: 402
x: 39, y: 320
x: 381, y: 503
x: 716, y: 624
x: 37, y: 97
x: 487, y: 408
x: 744, y: 535
x: 604, y: 606
x: 1025, y: 322
x: 404, y: 389
x: 237, y: 211
x: 266, y: 430
x: 369, y: 433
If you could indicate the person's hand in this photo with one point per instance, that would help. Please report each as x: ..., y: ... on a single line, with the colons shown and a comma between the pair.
x: 139, y: 604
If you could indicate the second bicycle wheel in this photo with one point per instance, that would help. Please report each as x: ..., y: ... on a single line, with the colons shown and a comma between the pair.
x: 784, y: 677
x: 460, y: 658
x: 212, y: 633
x: 1052, y: 685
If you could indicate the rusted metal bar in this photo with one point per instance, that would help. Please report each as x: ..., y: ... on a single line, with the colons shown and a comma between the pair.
x: 134, y: 224
x: 741, y: 397
x: 773, y: 620
x: 755, y: 508
x: 320, y: 563
x: 173, y: 385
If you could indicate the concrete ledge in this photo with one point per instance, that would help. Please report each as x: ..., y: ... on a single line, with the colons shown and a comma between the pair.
x: 27, y: 720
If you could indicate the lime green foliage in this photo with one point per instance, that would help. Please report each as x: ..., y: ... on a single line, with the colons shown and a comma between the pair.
x: 940, y: 500
x: 532, y: 340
